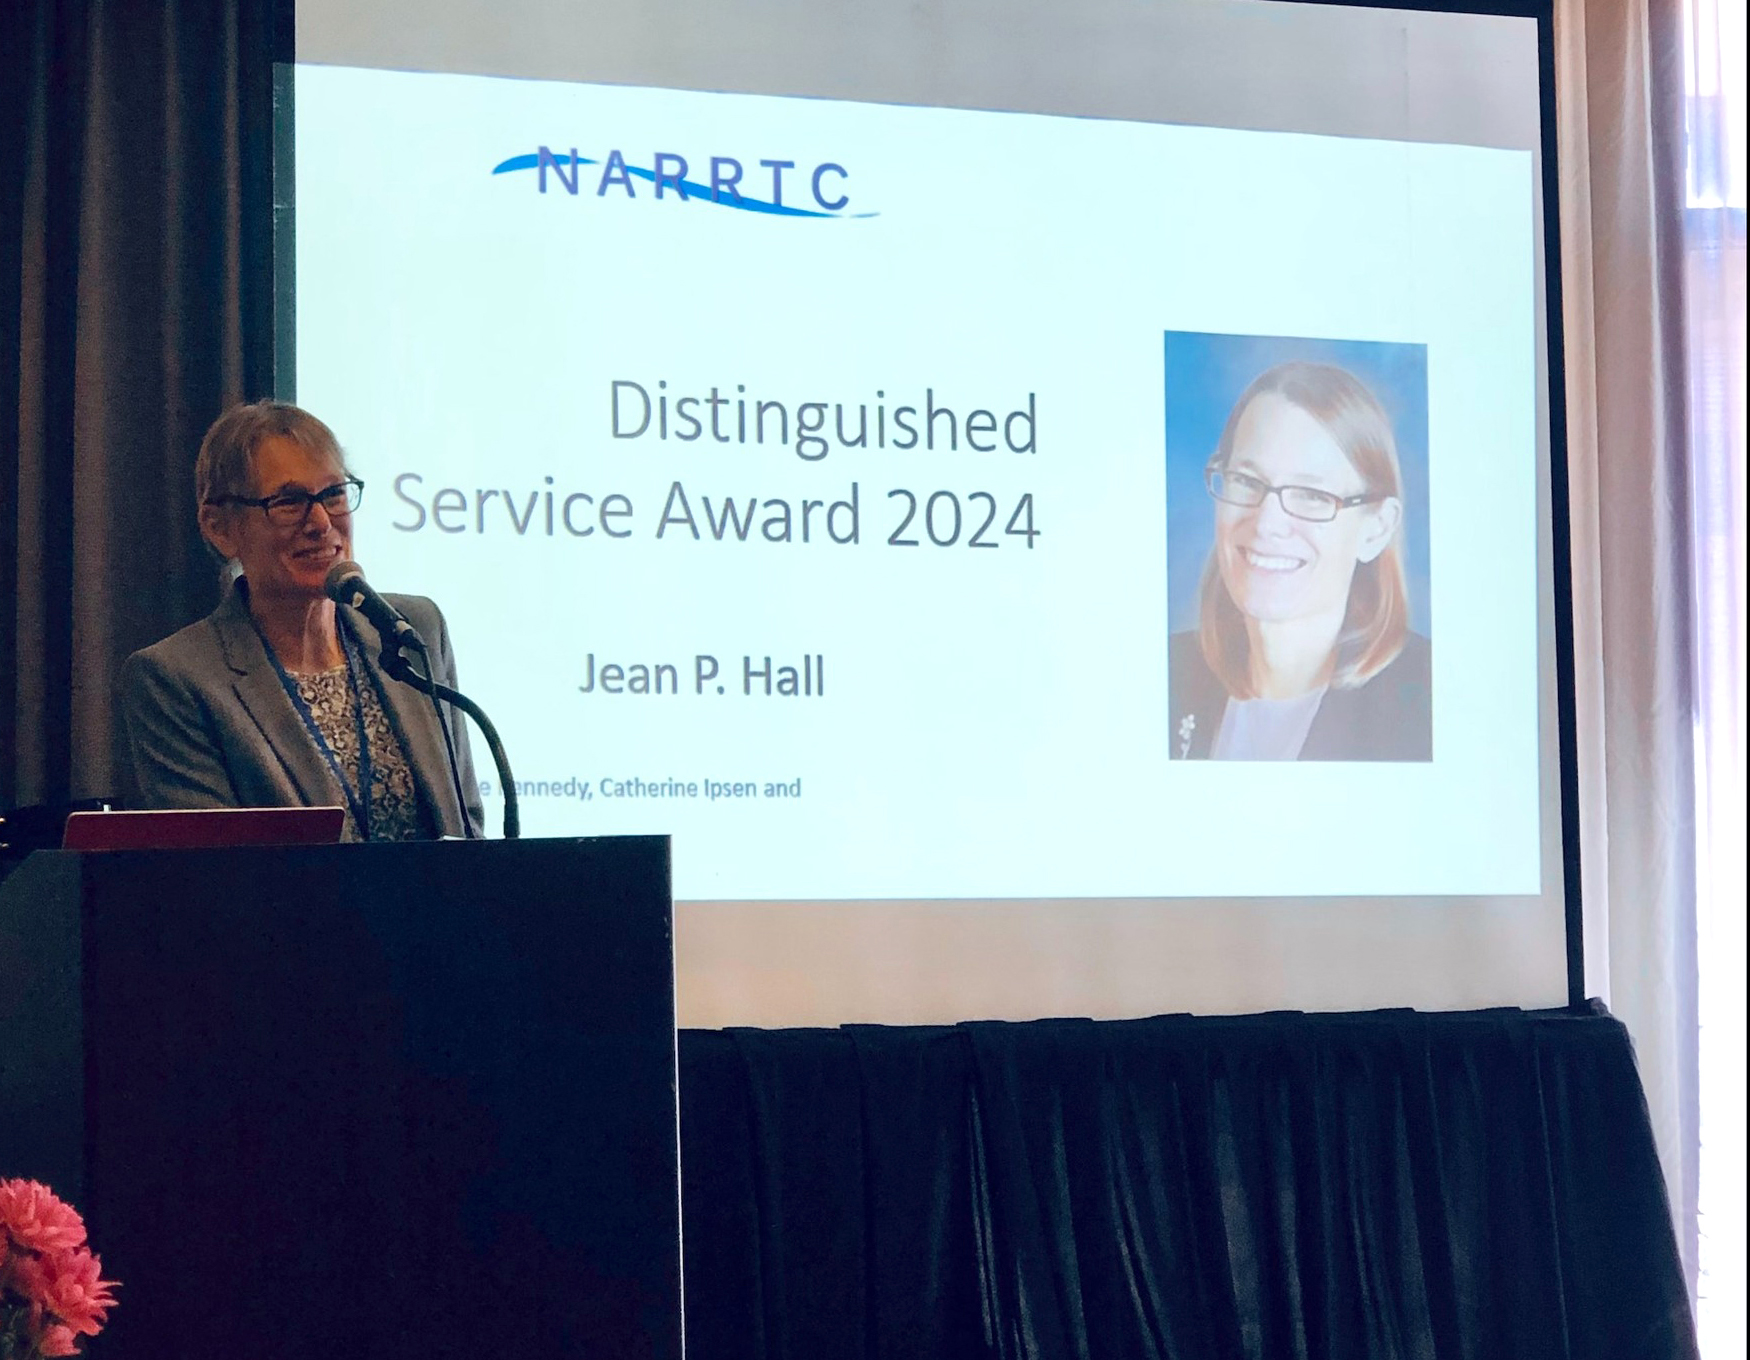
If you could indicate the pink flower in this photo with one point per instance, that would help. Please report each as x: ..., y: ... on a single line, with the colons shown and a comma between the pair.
x: 37, y: 1220
x: 66, y: 1285
x: 58, y: 1340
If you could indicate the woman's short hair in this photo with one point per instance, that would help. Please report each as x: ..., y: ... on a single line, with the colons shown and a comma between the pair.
x: 1377, y: 621
x: 225, y: 465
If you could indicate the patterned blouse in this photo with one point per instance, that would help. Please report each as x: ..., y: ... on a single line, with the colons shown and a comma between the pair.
x: 395, y: 810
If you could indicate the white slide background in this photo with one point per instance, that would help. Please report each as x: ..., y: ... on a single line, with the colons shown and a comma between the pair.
x: 990, y: 715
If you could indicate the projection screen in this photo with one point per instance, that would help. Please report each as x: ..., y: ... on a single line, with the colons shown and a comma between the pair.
x: 1052, y: 507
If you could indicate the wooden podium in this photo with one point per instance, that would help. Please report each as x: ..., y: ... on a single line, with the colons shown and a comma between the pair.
x: 355, y: 1100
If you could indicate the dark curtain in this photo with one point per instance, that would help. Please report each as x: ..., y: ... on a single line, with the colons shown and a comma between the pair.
x: 1291, y: 1187
x: 135, y: 304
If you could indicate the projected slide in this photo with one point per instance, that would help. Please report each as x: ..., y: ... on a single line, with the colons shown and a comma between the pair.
x: 894, y: 502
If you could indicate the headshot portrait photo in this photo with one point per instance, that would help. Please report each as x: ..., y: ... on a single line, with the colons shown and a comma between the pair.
x: 1298, y: 620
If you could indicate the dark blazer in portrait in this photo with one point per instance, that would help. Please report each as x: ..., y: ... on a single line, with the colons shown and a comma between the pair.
x: 1391, y: 717
x: 210, y: 725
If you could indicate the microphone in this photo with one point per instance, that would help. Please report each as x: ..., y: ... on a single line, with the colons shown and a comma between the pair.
x: 346, y: 585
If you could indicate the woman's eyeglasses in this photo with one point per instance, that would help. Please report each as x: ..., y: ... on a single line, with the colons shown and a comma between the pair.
x: 1303, y: 502
x: 289, y: 509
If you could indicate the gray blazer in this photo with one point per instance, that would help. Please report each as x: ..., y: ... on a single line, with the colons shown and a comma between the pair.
x: 209, y: 723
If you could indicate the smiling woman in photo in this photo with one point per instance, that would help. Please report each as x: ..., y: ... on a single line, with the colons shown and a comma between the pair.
x: 1303, y: 649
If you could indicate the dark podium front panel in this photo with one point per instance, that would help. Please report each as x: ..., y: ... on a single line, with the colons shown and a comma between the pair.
x: 357, y: 1100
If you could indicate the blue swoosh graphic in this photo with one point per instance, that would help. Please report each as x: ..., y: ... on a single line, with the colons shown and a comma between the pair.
x: 530, y: 161
x: 695, y: 192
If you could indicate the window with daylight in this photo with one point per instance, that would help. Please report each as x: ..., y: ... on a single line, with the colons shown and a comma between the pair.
x: 1715, y: 300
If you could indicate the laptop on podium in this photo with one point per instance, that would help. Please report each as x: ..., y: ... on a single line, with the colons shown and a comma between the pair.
x: 203, y: 828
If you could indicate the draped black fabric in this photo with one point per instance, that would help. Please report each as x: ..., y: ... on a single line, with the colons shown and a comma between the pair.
x: 136, y: 287
x: 1438, y: 1187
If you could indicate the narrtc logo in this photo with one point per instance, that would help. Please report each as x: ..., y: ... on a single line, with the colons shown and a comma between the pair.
x: 825, y: 188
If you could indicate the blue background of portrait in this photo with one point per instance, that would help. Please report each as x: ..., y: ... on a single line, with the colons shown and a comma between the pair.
x: 1205, y: 375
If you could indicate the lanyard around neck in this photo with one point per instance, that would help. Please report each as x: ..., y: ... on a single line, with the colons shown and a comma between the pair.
x: 360, y: 803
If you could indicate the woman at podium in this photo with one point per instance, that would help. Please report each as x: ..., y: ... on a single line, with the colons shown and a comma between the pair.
x: 279, y: 698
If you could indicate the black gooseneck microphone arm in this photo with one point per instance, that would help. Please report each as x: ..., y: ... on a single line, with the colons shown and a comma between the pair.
x: 396, y: 664
x: 346, y: 585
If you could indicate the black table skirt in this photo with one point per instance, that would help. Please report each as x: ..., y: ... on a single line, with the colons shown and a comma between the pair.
x: 1392, y: 1184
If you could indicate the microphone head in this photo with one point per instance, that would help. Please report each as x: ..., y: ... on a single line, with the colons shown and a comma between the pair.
x: 343, y: 578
